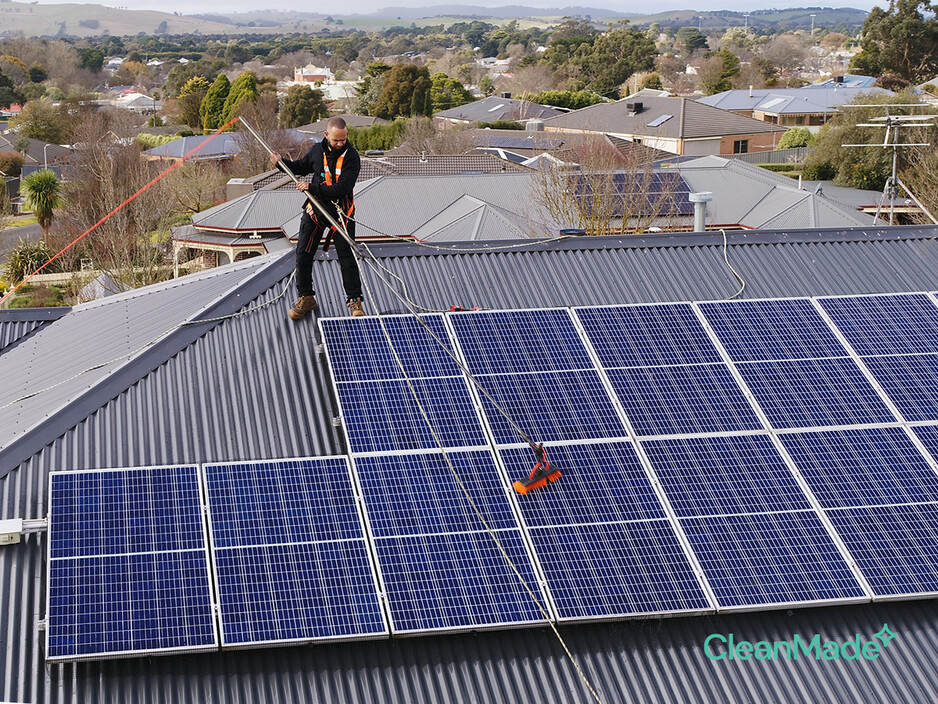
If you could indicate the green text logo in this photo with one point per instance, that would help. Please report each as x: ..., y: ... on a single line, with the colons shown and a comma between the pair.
x: 726, y: 647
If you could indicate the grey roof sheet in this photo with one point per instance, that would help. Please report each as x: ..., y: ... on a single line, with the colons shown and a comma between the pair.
x: 259, y: 210
x: 236, y: 391
x: 495, y: 108
x: 753, y: 197
x: 690, y: 118
x: 220, y: 145
x: 782, y: 101
x: 319, y: 128
x: 17, y: 324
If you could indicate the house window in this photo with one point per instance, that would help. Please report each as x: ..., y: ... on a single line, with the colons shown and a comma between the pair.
x: 741, y: 146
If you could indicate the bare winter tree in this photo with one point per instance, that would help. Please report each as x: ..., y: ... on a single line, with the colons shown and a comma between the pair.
x: 105, y: 171
x: 596, y: 187
x: 262, y: 116
x: 195, y: 186
x: 422, y: 135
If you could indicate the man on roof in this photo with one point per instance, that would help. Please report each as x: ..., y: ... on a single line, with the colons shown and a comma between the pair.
x: 334, y: 165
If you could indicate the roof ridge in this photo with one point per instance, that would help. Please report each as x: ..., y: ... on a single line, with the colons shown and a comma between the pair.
x: 142, y: 362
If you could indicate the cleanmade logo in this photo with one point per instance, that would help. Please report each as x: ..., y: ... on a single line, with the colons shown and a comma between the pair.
x: 727, y: 647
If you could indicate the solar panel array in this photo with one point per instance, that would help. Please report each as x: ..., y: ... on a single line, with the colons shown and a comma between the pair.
x: 439, y: 565
x: 714, y: 456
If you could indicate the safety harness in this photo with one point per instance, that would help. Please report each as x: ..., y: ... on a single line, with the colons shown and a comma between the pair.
x: 327, y: 175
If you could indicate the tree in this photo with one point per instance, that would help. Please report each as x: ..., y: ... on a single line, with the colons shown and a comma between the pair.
x: 43, y: 120
x: 570, y: 99
x: 716, y: 73
x: 903, y: 39
x: 190, y: 100
x: 43, y: 194
x: 447, y: 92
x: 866, y: 168
x: 91, y: 59
x: 11, y: 164
x: 8, y: 92
x: 796, y: 137
x: 302, y: 106
x: 243, y: 90
x: 26, y: 258
x: 616, y: 55
x: 381, y: 137
x: 402, y: 94
x: 37, y: 74
x: 486, y: 85
x: 692, y: 39
x: 212, y: 107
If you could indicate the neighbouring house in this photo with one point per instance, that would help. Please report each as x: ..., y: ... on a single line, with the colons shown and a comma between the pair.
x: 313, y: 74
x: 358, y: 121
x: 810, y: 106
x: 677, y: 125
x: 495, y: 108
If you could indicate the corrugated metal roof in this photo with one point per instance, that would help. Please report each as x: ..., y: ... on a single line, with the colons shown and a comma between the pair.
x: 259, y: 210
x: 254, y: 387
x: 17, y: 324
x: 807, y: 99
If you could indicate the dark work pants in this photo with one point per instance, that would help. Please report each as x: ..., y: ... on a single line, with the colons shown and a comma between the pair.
x: 308, y: 242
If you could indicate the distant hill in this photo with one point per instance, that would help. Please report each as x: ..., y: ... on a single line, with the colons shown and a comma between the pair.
x: 85, y: 20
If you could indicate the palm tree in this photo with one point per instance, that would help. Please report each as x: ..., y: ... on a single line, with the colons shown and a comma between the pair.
x: 42, y: 191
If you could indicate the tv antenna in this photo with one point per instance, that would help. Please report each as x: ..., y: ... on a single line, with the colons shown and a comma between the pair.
x: 892, y: 123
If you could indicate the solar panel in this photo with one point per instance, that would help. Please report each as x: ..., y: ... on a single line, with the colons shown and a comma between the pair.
x: 358, y: 350
x: 749, y: 523
x: 910, y: 382
x: 602, y: 536
x: 693, y: 399
x: 772, y: 330
x: 128, y: 564
x: 289, y: 552
x: 724, y: 475
x: 886, y: 324
x: 895, y: 546
x: 650, y: 335
x: 863, y: 467
x: 814, y: 393
x: 440, y: 567
x: 507, y: 342
x: 570, y: 405
x: 771, y: 559
x: 660, y: 120
x: 381, y: 416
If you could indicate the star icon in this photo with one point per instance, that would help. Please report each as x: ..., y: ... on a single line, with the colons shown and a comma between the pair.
x: 885, y: 635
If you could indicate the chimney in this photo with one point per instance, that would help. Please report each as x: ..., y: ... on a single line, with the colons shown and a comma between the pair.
x: 506, y: 95
x: 838, y: 79
x: 700, y: 201
x: 634, y: 108
x: 237, y: 187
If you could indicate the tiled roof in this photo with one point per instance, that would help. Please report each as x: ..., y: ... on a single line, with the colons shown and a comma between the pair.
x: 495, y: 108
x: 688, y: 119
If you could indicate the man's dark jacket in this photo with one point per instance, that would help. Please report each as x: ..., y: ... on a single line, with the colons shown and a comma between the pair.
x: 341, y: 190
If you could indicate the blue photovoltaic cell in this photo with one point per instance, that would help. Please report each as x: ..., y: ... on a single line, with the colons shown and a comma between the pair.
x: 358, y: 349
x: 694, y: 399
x: 456, y: 581
x: 551, y: 406
x: 116, y: 512
x: 886, y: 324
x: 383, y: 415
x: 637, y: 336
x: 440, y: 566
x: 866, y: 467
x: 617, y: 569
x: 600, y: 483
x: 292, y: 501
x: 290, y: 554
x: 128, y: 564
x: 928, y: 434
x: 724, y: 475
x: 770, y: 559
x: 772, y: 330
x: 910, y: 382
x: 415, y: 494
x: 121, y: 604
x: 520, y: 341
x: 297, y: 592
x: 896, y: 547
x: 815, y: 393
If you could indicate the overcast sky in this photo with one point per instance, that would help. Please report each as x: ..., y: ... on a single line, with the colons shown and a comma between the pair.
x: 366, y: 6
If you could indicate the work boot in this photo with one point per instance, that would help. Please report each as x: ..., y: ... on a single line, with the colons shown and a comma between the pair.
x: 303, y: 305
x: 355, y: 307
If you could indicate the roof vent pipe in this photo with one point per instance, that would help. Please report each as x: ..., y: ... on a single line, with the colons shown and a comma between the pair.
x: 700, y: 201
x: 750, y: 91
